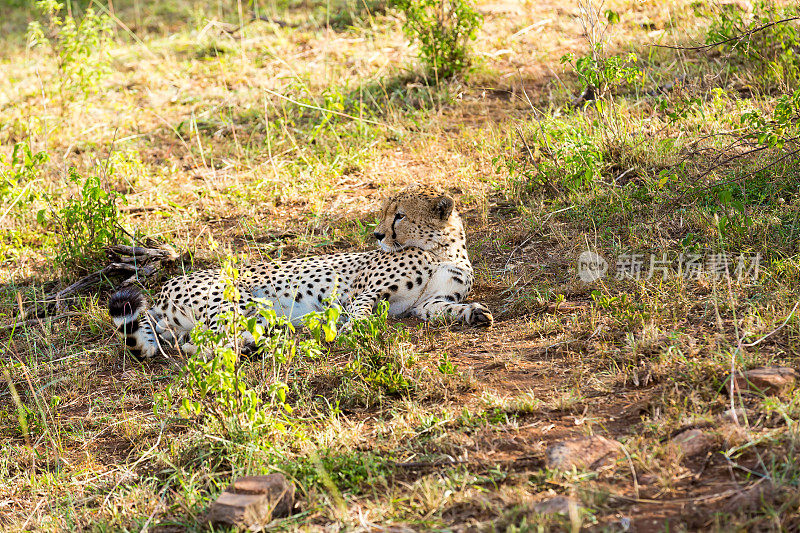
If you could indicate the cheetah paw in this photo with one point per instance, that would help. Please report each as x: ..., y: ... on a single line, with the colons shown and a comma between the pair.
x: 481, y: 316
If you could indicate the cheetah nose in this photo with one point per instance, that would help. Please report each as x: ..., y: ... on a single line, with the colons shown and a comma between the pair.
x: 379, y: 235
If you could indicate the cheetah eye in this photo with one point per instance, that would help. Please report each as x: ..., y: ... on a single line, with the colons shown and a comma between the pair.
x: 399, y: 216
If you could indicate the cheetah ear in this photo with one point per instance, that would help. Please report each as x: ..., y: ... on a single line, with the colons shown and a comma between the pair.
x: 443, y: 206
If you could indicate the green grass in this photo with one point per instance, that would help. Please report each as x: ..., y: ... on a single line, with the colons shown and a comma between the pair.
x: 279, y: 140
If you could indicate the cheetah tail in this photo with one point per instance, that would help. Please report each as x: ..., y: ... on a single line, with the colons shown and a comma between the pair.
x: 127, y: 307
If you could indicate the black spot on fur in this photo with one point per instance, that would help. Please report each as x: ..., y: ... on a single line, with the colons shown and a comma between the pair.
x: 131, y: 327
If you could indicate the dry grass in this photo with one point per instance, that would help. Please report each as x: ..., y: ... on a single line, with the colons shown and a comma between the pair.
x: 214, y: 156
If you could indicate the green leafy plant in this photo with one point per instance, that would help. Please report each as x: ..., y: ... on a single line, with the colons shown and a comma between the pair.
x: 775, y: 131
x: 560, y: 156
x: 377, y: 360
x: 78, y: 47
x: 23, y: 168
x: 757, y: 39
x: 734, y: 220
x: 445, y: 365
x: 443, y: 29
x: 779, y: 131
x: 600, y: 74
x: 353, y: 471
x: 623, y: 308
x: 213, y: 382
x: 86, y: 223
x: 576, y: 154
x: 323, y: 325
x: 217, y: 382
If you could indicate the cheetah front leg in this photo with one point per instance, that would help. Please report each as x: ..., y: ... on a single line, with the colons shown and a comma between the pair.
x: 361, y: 306
x: 444, y: 309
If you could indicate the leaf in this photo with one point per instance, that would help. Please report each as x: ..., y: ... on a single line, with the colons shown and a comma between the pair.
x: 330, y: 332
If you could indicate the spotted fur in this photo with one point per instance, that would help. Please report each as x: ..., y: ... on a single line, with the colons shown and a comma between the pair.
x: 421, y: 269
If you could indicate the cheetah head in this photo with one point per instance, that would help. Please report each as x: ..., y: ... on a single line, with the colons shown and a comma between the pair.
x: 419, y: 217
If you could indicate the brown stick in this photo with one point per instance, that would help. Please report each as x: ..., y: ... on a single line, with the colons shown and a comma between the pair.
x: 87, y: 281
x: 140, y: 251
x: 36, y: 320
x: 91, y: 279
x: 140, y: 208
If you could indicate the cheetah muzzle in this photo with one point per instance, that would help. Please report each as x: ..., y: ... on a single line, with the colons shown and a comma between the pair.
x: 421, y: 269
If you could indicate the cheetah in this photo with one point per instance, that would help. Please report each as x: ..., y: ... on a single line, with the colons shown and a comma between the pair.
x: 421, y: 269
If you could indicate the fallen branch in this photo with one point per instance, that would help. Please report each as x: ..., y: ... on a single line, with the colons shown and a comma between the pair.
x: 140, y: 208
x: 142, y: 252
x: 88, y: 281
x: 136, y: 261
x: 36, y: 320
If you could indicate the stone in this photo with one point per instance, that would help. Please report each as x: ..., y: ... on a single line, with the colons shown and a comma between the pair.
x: 587, y: 452
x: 253, y: 501
x: 557, y: 505
x: 771, y: 380
x: 692, y: 442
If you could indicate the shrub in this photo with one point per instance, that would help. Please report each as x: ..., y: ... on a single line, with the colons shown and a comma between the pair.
x: 85, y: 224
x: 214, y: 382
x: 564, y: 158
x: 22, y: 169
x: 772, y: 50
x: 375, y: 360
x: 79, y: 48
x: 443, y: 29
x: 600, y: 74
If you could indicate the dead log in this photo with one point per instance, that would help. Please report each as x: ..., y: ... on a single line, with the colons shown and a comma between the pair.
x: 137, y: 262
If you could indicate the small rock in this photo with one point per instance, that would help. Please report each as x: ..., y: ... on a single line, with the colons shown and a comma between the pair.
x: 253, y: 501
x: 767, y: 380
x: 557, y: 505
x: 692, y: 442
x: 588, y: 452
